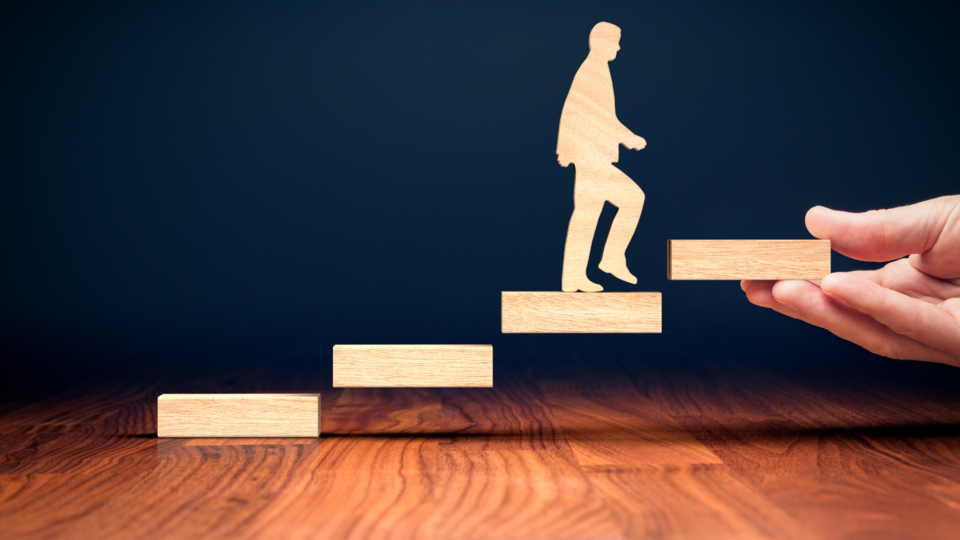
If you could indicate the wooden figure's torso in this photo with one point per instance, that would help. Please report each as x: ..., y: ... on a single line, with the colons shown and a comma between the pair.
x: 589, y: 128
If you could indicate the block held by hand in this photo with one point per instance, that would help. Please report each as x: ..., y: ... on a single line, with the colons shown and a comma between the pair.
x: 747, y: 259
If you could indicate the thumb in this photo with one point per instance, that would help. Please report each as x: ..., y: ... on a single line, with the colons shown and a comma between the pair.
x: 925, y: 228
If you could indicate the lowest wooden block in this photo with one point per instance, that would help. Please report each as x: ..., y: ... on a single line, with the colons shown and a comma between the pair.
x: 747, y: 259
x: 419, y: 366
x: 238, y: 415
x: 577, y: 313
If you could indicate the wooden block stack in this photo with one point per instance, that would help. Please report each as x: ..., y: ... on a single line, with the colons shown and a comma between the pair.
x: 439, y: 366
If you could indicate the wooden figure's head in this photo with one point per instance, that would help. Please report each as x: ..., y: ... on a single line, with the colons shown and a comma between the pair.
x: 605, y: 40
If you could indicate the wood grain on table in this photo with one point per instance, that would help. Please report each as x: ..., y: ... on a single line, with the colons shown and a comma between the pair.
x: 583, y: 451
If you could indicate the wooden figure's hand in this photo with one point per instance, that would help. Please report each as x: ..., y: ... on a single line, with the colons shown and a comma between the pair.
x: 635, y: 142
x: 564, y: 160
x: 910, y: 308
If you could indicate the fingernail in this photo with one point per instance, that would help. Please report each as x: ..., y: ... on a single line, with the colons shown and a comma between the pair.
x: 825, y: 291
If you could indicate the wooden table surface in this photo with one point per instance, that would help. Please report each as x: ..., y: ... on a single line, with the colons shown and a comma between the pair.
x: 575, y: 451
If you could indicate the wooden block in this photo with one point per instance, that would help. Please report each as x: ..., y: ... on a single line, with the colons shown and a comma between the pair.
x: 578, y: 313
x: 419, y: 366
x: 747, y: 259
x: 238, y: 415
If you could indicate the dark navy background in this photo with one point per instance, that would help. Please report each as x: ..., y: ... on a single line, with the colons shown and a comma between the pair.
x: 244, y: 183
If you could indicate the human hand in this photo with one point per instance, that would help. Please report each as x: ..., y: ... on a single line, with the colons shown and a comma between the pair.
x: 907, y: 310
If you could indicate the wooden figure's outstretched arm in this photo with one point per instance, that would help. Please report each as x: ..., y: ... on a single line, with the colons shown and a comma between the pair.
x: 631, y: 140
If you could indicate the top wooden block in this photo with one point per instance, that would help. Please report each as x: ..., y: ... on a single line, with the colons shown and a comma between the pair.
x: 747, y: 259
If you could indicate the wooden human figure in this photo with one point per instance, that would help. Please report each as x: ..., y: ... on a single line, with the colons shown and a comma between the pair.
x: 590, y: 137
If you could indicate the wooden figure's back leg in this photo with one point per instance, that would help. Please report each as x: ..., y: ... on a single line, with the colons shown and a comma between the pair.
x: 587, y: 205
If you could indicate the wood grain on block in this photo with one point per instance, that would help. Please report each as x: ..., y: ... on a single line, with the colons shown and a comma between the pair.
x: 418, y: 366
x: 747, y: 259
x: 575, y: 313
x: 238, y: 415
